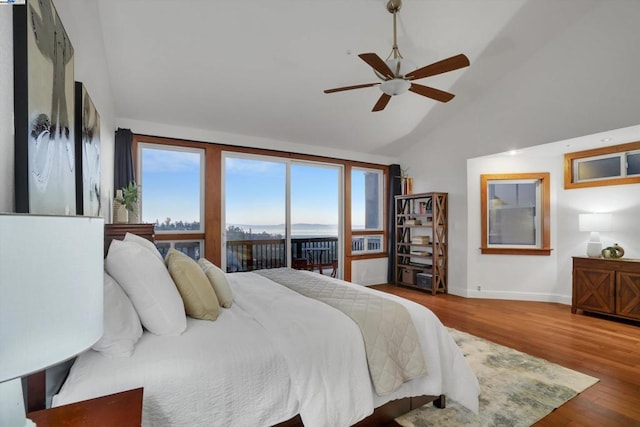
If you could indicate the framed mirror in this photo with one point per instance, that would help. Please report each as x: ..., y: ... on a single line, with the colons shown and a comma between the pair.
x: 515, y: 211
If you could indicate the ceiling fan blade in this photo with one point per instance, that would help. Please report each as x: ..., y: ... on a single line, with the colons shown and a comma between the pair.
x: 429, y: 92
x: 377, y: 64
x: 382, y: 102
x: 449, y: 64
x: 340, y: 89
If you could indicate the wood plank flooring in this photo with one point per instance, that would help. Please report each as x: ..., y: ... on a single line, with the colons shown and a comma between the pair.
x: 605, y: 348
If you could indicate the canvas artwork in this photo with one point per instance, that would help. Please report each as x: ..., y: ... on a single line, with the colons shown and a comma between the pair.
x: 44, y: 111
x: 88, y: 154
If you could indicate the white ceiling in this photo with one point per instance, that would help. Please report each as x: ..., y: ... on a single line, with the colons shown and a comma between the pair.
x: 258, y: 68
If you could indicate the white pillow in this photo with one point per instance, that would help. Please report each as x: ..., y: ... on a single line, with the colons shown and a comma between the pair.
x: 122, y: 328
x: 148, y: 284
x: 130, y: 237
x: 218, y: 280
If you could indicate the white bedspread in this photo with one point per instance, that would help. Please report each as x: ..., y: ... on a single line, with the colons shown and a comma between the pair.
x: 272, y: 355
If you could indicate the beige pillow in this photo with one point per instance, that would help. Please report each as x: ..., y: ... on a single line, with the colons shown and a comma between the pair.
x: 199, y: 299
x: 218, y: 280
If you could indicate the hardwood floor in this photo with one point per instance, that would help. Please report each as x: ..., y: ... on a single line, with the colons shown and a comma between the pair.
x: 601, y: 347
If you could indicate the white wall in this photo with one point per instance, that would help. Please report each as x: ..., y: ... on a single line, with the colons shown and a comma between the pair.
x: 202, y: 135
x: 81, y: 22
x: 548, y: 278
x: 513, y: 276
x: 369, y: 271
x: 581, y: 83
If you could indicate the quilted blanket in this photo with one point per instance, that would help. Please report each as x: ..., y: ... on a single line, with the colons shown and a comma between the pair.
x: 391, y: 342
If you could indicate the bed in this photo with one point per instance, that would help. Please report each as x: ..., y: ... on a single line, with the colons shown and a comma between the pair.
x: 273, y: 357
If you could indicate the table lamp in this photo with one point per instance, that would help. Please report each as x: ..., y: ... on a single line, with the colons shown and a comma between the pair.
x: 594, y: 223
x: 51, y: 298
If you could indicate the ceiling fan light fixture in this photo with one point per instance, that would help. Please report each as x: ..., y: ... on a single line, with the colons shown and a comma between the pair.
x: 397, y: 74
x: 395, y: 86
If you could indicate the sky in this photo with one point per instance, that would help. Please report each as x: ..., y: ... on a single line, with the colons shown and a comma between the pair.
x: 255, y: 189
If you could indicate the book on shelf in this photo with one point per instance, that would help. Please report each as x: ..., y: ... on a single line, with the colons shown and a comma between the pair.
x: 412, y: 222
x: 420, y: 240
x: 420, y: 253
x: 421, y: 265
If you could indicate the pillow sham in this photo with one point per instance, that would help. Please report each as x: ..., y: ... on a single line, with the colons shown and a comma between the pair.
x: 198, y: 296
x: 122, y: 328
x: 148, y: 284
x: 130, y: 237
x: 218, y: 280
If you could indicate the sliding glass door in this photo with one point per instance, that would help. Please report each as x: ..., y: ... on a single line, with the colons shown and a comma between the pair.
x: 315, y: 217
x: 279, y: 212
x: 254, y: 203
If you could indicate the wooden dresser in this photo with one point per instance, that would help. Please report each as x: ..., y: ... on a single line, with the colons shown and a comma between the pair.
x: 607, y: 286
x: 117, y: 231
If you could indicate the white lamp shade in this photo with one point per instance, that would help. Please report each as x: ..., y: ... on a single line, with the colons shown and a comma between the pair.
x: 395, y: 86
x: 51, y: 297
x: 595, y: 222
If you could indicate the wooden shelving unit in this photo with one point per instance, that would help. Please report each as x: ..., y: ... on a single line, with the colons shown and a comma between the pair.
x: 421, y: 241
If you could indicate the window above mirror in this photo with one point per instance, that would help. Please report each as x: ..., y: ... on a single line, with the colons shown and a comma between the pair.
x: 614, y: 165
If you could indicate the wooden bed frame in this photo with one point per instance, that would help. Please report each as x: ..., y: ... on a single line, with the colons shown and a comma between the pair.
x: 36, y: 383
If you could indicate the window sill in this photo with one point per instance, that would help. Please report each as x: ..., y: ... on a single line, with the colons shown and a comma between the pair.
x: 369, y: 255
x: 516, y: 251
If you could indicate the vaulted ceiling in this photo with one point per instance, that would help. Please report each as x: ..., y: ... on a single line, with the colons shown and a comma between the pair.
x: 259, y: 68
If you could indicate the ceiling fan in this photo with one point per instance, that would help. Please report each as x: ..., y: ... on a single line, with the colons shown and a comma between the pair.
x: 396, y: 79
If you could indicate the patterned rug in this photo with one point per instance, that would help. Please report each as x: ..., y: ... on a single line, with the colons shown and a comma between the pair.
x: 516, y: 389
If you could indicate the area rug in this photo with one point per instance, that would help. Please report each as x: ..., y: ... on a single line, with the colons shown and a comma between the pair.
x: 516, y: 389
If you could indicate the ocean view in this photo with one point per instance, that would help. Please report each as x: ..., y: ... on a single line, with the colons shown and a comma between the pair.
x: 297, y: 230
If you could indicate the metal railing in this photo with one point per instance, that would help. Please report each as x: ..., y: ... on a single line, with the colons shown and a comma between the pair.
x: 248, y: 255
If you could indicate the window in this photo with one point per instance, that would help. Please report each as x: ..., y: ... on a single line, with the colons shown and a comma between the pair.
x: 367, y: 210
x: 172, y: 196
x: 515, y: 214
x: 191, y: 248
x: 618, y: 164
x: 281, y: 212
x: 312, y: 231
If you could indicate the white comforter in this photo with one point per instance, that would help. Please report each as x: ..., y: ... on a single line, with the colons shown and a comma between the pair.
x: 272, y: 355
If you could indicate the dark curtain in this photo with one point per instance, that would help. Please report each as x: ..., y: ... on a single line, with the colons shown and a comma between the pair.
x: 395, y: 189
x: 123, y: 159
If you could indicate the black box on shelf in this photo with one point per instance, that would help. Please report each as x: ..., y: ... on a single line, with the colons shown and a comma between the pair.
x: 424, y: 280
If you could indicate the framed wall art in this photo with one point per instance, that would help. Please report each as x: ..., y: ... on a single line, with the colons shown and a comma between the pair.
x: 43, y: 111
x: 87, y: 135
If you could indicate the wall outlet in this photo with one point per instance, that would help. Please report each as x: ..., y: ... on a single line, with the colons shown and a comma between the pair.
x: 479, y: 288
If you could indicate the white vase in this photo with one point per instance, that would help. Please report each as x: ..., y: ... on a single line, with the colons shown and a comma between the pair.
x: 120, y: 213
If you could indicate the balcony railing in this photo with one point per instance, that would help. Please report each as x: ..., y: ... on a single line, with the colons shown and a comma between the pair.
x: 310, y: 253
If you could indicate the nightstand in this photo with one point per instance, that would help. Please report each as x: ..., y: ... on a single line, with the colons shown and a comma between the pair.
x: 121, y: 409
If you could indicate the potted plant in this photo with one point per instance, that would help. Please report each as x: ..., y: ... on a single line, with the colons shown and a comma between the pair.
x: 130, y: 201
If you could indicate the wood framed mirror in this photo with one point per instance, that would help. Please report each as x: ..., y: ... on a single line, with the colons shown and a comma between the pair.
x: 515, y: 210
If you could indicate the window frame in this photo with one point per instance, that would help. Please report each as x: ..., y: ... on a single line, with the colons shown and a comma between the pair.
x: 367, y: 233
x: 213, y: 193
x: 543, y: 246
x: 620, y: 150
x: 289, y: 163
x: 141, y: 145
x: 172, y: 244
